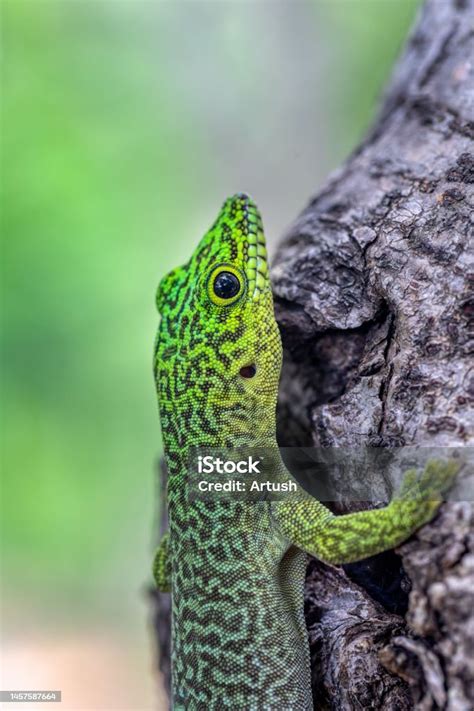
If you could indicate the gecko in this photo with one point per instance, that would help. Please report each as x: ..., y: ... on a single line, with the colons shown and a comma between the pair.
x: 236, y: 569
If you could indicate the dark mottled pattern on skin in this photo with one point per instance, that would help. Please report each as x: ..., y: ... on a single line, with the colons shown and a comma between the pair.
x: 236, y: 569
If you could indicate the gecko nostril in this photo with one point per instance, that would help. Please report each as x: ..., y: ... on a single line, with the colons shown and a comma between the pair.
x: 248, y: 371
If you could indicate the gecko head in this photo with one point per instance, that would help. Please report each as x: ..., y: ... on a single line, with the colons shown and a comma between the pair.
x: 217, y: 319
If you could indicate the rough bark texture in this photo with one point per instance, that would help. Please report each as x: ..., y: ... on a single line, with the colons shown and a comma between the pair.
x: 374, y: 298
x: 373, y: 288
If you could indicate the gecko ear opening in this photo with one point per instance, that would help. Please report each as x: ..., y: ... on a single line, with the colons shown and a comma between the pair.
x: 248, y: 371
x: 167, y: 287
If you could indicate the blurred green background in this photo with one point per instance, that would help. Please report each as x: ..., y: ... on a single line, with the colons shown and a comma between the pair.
x: 124, y: 125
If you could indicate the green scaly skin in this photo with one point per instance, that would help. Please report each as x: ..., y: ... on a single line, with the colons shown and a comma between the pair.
x: 236, y: 569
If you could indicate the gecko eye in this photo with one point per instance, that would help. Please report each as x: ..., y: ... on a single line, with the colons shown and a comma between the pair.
x: 226, y: 285
x: 248, y: 371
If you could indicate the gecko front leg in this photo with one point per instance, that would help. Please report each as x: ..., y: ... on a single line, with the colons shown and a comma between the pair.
x: 162, y: 565
x: 309, y: 525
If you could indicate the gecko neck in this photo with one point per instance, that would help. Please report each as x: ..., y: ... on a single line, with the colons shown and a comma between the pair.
x: 240, y: 427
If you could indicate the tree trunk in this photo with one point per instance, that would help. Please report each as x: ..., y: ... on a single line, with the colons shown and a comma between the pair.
x: 373, y: 296
x: 372, y: 287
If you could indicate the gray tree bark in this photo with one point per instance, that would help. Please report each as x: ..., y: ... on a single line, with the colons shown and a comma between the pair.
x: 373, y: 287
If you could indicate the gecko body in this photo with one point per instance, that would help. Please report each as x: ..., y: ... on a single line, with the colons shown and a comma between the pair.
x: 236, y: 569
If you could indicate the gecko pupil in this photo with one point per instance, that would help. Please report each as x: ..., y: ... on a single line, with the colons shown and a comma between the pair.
x: 226, y: 285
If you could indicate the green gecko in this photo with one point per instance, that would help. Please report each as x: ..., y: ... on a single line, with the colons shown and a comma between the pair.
x: 236, y: 569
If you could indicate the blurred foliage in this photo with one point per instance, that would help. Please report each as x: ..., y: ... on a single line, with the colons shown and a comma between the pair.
x: 92, y: 161
x: 372, y: 34
x: 104, y: 170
